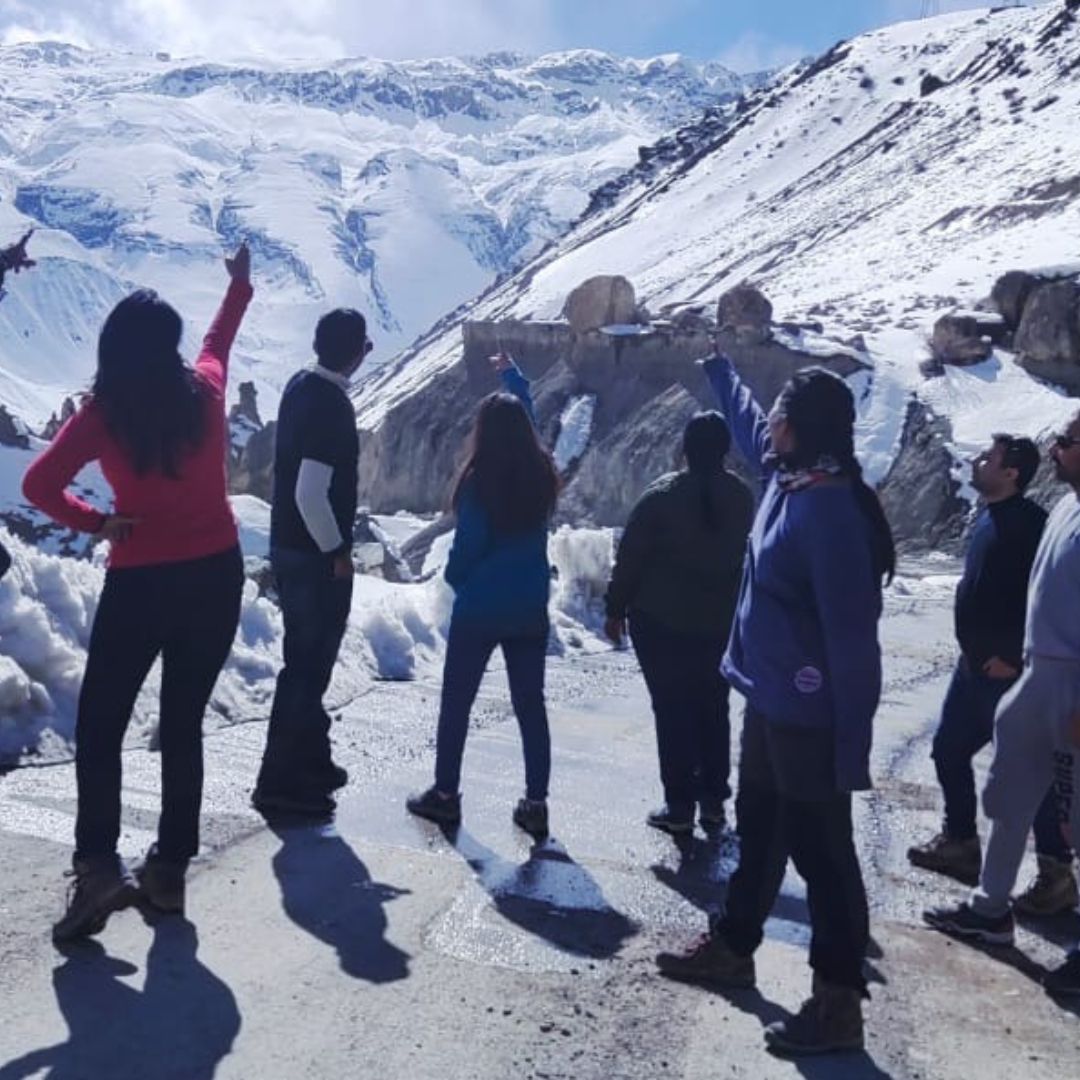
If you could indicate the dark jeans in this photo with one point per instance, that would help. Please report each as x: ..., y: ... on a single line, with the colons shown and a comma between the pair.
x: 468, y: 649
x: 187, y: 614
x: 967, y: 725
x: 315, y: 609
x: 690, y: 704
x: 787, y: 806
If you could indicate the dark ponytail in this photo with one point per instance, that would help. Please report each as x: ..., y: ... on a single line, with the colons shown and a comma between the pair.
x: 820, y: 408
x: 706, y: 441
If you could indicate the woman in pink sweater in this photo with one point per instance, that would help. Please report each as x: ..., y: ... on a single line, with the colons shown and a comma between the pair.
x: 173, y: 587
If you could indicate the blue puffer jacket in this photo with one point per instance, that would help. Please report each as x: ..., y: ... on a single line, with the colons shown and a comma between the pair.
x: 501, y: 582
x: 804, y: 646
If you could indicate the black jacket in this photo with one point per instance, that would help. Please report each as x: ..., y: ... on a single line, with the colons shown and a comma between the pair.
x: 991, y: 599
x: 672, y: 565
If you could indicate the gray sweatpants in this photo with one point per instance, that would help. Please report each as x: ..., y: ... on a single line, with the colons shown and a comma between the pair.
x: 1031, y: 744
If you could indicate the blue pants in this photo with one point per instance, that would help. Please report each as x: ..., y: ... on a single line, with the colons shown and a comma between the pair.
x: 967, y: 725
x: 468, y: 649
x: 315, y: 608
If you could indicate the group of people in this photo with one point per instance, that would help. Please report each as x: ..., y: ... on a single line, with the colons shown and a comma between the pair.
x: 781, y: 602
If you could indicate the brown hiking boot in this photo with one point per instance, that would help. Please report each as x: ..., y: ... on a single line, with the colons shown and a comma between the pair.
x: 100, y: 886
x: 709, y: 960
x: 960, y: 859
x: 161, y: 883
x: 1053, y: 892
x: 829, y: 1020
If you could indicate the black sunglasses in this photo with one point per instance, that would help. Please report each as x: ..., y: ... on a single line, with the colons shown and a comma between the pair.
x: 1066, y: 442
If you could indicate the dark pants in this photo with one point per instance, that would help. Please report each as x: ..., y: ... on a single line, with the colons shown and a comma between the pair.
x: 967, y: 725
x: 468, y: 649
x: 187, y: 614
x: 315, y: 609
x: 788, y: 806
x: 690, y: 705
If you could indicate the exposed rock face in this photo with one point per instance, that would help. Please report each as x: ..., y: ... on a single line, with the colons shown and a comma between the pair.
x: 960, y: 340
x: 11, y: 431
x: 1048, y: 340
x: 55, y: 423
x: 1010, y: 294
x: 920, y: 497
x: 616, y: 470
x: 600, y: 301
x: 747, y: 312
x: 251, y: 448
x: 247, y: 408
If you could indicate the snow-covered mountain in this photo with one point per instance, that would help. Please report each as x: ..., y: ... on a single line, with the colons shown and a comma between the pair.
x: 403, y: 189
x: 890, y: 181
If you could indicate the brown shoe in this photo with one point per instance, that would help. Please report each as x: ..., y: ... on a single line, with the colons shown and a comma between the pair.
x: 829, y: 1020
x: 1053, y: 892
x: 709, y: 960
x: 100, y: 886
x: 959, y: 859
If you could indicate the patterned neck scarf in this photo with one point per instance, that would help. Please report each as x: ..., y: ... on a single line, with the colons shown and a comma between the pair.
x: 791, y: 479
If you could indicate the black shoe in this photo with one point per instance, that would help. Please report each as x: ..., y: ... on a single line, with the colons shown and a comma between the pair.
x: 433, y: 806
x: 329, y: 778
x: 532, y: 816
x: 310, y: 804
x: 963, y: 921
x: 161, y: 883
x: 1064, y: 981
x: 100, y: 886
x: 674, y: 823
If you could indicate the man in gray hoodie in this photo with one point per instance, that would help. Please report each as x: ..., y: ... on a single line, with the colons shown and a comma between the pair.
x: 1038, y: 718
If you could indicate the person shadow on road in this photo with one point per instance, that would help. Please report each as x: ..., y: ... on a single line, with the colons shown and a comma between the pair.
x: 179, y: 1026
x: 327, y: 890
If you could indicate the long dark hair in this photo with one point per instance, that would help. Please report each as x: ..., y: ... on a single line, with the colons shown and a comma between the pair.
x: 151, y: 400
x: 508, y: 468
x: 820, y: 408
x: 706, y: 441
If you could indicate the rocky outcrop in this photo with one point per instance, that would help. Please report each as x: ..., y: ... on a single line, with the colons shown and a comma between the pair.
x: 605, y: 300
x: 12, y: 432
x: 1010, y: 295
x: 251, y: 448
x: 55, y: 423
x: 747, y: 313
x: 960, y: 340
x: 1048, y: 338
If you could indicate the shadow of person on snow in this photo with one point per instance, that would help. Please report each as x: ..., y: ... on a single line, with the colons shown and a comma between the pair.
x: 549, y: 895
x: 179, y: 1026
x: 326, y: 890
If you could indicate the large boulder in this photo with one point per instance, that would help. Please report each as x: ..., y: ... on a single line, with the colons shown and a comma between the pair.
x: 605, y: 300
x: 1010, y: 294
x: 959, y: 339
x: 747, y: 312
x: 1048, y: 340
x: 12, y: 432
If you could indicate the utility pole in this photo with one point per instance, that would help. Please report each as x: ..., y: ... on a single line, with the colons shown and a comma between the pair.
x: 930, y: 8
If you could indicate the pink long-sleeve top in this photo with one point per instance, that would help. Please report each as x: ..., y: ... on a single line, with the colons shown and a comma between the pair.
x: 186, y: 517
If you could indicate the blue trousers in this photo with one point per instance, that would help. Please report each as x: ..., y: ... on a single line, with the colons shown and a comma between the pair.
x: 967, y: 725
x: 468, y: 649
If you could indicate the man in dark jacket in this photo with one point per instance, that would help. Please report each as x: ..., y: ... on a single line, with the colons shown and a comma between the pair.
x: 311, y: 530
x: 676, y: 578
x: 990, y: 611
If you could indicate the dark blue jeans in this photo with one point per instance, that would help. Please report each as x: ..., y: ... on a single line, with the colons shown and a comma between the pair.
x: 967, y: 725
x: 315, y: 609
x: 468, y: 649
x: 690, y: 706
x: 186, y: 613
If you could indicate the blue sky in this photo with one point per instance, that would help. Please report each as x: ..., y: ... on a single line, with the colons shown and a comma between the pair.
x: 747, y: 34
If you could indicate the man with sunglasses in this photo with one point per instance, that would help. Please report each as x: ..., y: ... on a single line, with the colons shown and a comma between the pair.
x: 311, y: 530
x: 1038, y: 719
x: 991, y: 606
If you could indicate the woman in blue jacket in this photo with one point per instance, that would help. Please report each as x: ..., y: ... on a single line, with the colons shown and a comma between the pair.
x: 804, y: 653
x: 498, y: 567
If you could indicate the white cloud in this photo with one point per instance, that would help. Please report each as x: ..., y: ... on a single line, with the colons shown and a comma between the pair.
x: 756, y: 52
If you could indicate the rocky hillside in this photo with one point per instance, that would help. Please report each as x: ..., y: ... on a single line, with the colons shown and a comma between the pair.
x: 888, y: 183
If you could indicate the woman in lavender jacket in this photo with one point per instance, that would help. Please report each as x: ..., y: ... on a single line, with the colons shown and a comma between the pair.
x: 804, y: 654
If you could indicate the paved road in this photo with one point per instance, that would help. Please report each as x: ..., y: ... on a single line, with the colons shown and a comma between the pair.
x: 380, y: 947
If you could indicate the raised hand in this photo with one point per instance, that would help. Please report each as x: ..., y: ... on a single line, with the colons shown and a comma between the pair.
x: 14, y: 256
x: 501, y: 362
x: 239, y: 266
